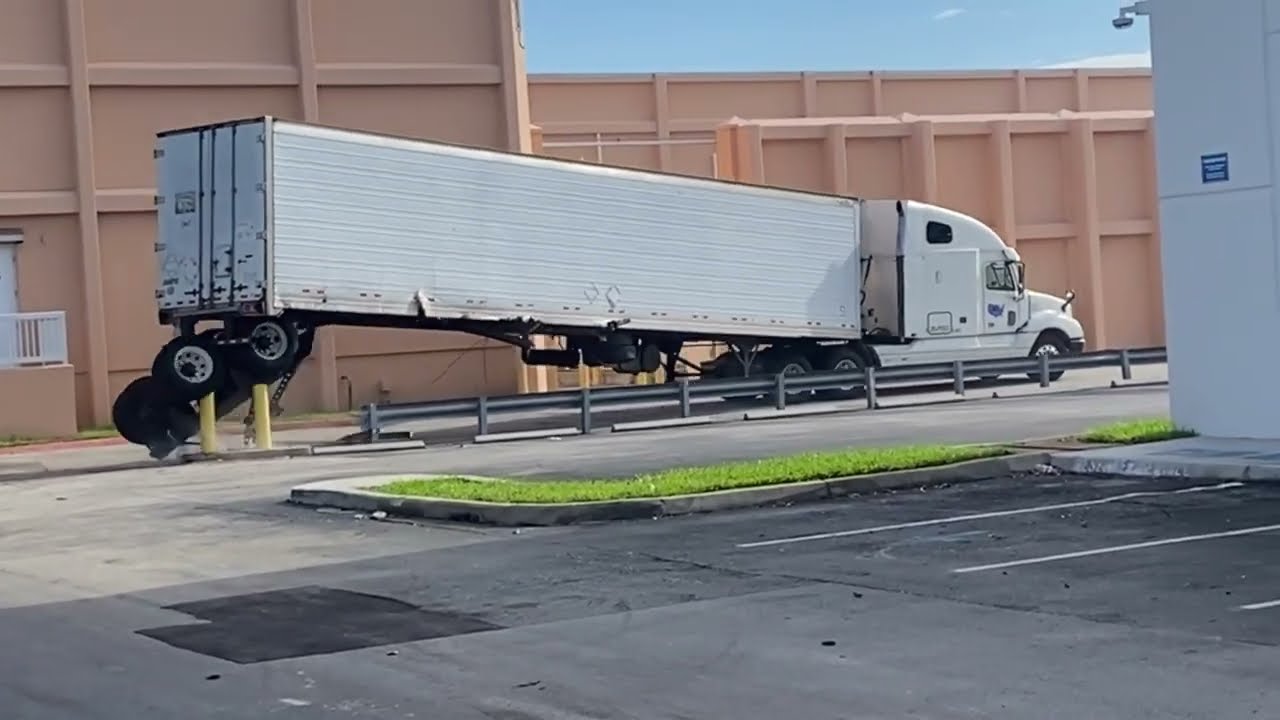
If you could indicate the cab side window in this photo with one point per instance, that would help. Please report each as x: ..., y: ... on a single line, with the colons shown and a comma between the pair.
x: 936, y: 233
x: 999, y: 277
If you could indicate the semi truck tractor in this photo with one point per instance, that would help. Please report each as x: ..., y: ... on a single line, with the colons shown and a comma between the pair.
x: 270, y: 229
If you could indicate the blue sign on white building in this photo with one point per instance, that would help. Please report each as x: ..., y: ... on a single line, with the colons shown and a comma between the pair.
x: 1215, y: 168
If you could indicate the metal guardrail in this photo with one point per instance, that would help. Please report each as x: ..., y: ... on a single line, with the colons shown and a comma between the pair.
x: 35, y: 338
x: 781, y: 388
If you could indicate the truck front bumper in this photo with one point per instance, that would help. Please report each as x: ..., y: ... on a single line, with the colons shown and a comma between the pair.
x: 1075, y: 347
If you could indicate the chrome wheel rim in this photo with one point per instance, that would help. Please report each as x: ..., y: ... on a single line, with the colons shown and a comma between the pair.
x: 268, y: 341
x: 193, y: 364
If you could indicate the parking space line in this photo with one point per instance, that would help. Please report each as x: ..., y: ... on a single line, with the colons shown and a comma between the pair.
x: 1119, y: 548
x: 1261, y: 605
x: 989, y: 515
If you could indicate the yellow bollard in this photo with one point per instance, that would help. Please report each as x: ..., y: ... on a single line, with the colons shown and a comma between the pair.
x: 208, y: 425
x: 261, y: 417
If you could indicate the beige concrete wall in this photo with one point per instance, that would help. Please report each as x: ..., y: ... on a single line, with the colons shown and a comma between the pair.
x: 38, y: 402
x: 85, y: 84
x: 646, y: 107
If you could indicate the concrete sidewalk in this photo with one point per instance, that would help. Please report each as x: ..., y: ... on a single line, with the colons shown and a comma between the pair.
x: 1198, y: 457
x: 34, y: 460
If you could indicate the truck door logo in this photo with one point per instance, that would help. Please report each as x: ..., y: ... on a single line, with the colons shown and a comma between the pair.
x: 995, y: 310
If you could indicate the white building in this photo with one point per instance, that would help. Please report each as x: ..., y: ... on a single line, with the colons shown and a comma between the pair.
x: 1216, y: 68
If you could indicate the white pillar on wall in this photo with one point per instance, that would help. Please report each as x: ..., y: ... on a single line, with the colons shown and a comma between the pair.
x: 1216, y: 70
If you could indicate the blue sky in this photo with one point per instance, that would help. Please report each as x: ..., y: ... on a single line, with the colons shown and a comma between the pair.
x: 768, y: 35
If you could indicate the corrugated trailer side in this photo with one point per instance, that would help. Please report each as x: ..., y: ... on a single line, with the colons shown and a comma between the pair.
x: 369, y: 224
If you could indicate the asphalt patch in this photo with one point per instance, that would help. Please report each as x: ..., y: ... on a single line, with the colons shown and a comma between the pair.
x: 305, y: 621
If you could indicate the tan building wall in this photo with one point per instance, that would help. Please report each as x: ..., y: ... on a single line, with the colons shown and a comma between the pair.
x: 1073, y: 192
x: 84, y: 86
x: 575, y: 108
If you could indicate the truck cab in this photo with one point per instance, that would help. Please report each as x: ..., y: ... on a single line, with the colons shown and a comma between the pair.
x: 942, y: 286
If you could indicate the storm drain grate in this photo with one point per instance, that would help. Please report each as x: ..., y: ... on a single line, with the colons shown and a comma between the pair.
x: 303, y: 621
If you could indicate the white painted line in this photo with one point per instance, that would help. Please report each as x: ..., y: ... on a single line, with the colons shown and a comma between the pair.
x: 1120, y: 548
x: 989, y: 515
x: 1261, y: 605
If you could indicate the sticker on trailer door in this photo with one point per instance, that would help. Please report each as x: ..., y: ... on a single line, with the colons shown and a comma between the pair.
x: 184, y: 203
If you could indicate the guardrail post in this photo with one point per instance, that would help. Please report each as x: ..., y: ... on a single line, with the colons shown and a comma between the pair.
x: 1044, y: 370
x: 780, y: 391
x: 482, y: 415
x: 686, y: 407
x: 870, y: 374
x: 957, y: 372
x: 585, y: 423
x: 375, y: 424
x: 1126, y: 369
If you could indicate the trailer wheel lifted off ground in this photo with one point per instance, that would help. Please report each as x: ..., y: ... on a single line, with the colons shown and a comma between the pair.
x: 269, y: 348
x: 158, y: 410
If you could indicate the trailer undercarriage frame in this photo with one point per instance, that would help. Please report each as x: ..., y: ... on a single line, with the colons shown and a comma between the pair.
x: 242, y: 349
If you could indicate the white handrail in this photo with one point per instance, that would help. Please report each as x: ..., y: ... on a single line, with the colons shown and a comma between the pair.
x: 36, y: 338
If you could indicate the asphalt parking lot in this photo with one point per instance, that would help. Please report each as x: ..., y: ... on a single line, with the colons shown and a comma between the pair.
x: 1033, y: 597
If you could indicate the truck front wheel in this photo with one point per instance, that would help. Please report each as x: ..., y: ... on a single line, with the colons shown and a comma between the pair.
x: 1053, y: 345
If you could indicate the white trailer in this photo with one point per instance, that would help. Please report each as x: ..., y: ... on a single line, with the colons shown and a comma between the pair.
x: 273, y: 228
x: 293, y: 217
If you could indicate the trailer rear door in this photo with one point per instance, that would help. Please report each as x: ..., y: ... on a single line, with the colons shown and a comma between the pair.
x: 211, y: 216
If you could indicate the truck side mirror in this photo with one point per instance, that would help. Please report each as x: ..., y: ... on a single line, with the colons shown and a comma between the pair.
x: 1071, y: 296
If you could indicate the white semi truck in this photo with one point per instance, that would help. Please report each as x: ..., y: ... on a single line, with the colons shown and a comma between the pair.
x: 270, y: 229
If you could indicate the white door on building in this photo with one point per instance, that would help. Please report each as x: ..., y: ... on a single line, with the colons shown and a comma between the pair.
x: 8, y: 302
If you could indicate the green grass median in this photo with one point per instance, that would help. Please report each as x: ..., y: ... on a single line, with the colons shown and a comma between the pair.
x: 692, y: 480
x: 1133, y: 432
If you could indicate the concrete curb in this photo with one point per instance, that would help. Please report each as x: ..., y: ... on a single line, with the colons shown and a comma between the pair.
x: 248, y: 454
x: 515, y: 435
x: 151, y: 464
x: 348, y: 494
x: 356, y: 448
x: 1075, y: 463
x: 797, y: 411
x: 694, y: 421
x: 38, y: 446
x: 54, y: 473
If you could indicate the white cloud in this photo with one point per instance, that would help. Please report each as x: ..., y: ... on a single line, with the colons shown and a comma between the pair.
x: 949, y: 13
x: 1122, y: 60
